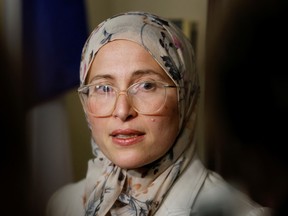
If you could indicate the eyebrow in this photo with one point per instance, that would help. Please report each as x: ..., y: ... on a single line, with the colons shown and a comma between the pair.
x: 135, y: 75
x: 104, y: 76
x: 140, y: 73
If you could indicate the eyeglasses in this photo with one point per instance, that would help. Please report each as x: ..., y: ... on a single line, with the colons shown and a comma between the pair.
x: 146, y: 97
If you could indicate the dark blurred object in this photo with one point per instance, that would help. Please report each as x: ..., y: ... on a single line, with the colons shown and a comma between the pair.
x: 13, y: 160
x: 248, y: 97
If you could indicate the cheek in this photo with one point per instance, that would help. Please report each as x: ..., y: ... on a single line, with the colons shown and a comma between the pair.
x: 163, y: 132
x: 166, y: 124
x: 171, y: 111
x: 171, y: 123
x: 97, y: 126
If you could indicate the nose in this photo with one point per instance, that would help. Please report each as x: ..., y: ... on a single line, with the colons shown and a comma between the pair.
x: 123, y: 109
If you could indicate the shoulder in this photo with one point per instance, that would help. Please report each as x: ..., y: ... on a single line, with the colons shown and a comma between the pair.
x: 218, y: 196
x: 198, y: 191
x: 67, y: 200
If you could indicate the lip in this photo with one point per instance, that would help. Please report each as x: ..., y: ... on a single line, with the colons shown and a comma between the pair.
x: 127, y: 137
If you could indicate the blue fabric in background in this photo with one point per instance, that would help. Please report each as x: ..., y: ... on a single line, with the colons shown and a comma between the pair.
x: 54, y: 32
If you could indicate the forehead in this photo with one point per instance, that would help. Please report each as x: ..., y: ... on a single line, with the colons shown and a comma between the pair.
x: 122, y: 58
x: 124, y: 50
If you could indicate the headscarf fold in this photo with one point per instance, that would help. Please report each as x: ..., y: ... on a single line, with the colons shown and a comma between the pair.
x: 110, y: 188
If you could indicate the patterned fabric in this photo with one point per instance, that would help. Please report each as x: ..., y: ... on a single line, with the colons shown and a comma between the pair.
x: 109, y: 188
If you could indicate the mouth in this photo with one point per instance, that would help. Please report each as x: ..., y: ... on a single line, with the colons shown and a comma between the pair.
x: 127, y: 137
x: 126, y: 133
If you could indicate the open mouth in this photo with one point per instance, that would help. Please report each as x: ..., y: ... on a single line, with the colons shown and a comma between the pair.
x: 127, y: 133
x: 127, y: 137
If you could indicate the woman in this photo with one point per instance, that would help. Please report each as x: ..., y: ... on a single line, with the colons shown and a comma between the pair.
x: 139, y: 91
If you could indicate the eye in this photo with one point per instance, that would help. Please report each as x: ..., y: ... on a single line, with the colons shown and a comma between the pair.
x: 101, y: 89
x: 104, y: 88
x: 147, y: 86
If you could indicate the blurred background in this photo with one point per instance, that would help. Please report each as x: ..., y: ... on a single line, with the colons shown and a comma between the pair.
x: 44, y: 133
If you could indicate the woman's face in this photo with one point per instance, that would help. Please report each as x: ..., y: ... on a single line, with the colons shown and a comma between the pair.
x: 127, y: 138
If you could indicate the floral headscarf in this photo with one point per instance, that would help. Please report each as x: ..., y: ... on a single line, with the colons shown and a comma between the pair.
x: 110, y: 188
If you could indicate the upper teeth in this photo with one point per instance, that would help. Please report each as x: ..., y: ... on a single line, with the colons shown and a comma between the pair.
x: 125, y: 135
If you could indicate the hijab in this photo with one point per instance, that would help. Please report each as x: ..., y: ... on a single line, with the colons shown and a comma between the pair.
x: 109, y: 188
